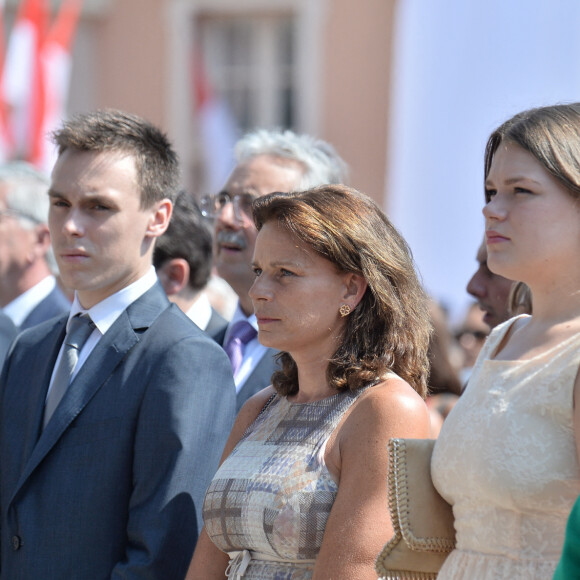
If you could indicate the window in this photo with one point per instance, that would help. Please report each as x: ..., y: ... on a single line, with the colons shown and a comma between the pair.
x: 250, y: 61
x: 263, y: 57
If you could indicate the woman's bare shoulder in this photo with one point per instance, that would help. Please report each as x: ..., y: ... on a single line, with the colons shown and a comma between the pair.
x: 394, y: 391
x: 392, y: 403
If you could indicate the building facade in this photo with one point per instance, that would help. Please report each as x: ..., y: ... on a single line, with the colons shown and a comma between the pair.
x: 316, y: 66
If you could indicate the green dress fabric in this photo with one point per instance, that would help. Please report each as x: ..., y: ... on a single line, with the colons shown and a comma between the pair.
x: 569, y: 565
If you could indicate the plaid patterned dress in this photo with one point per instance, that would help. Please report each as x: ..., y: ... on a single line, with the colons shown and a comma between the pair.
x: 272, y: 496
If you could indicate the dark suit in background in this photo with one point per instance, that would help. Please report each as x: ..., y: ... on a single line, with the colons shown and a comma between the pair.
x: 260, y: 378
x: 7, y: 334
x: 217, y: 323
x: 55, y: 304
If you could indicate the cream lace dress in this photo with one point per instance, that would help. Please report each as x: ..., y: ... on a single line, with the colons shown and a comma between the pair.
x: 506, y: 460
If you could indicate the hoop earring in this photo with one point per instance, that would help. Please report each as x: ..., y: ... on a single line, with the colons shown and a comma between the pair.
x: 344, y: 310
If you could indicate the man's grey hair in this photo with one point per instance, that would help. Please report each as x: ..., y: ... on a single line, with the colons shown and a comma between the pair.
x: 27, y: 196
x: 321, y: 162
x: 26, y: 190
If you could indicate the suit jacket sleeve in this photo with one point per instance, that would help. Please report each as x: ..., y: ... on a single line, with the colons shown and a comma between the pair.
x: 185, y: 417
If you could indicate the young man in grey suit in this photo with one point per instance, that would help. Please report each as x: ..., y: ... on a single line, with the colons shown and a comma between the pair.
x: 29, y: 293
x: 267, y: 161
x: 108, y: 482
x: 183, y: 261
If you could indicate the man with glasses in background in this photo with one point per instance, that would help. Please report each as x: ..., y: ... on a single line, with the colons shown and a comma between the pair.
x: 266, y: 161
x: 29, y: 293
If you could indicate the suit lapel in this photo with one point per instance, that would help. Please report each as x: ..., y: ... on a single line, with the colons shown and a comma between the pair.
x: 101, y: 363
x: 36, y: 388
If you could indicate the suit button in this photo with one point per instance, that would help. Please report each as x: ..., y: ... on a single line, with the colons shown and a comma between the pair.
x: 16, y: 543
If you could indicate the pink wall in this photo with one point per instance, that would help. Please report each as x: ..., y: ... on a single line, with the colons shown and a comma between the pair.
x: 356, y: 88
x: 130, y: 44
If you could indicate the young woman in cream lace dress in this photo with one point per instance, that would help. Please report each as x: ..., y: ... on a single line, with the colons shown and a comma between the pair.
x: 507, y: 456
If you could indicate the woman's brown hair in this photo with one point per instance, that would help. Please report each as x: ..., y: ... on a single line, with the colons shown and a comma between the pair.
x: 389, y: 329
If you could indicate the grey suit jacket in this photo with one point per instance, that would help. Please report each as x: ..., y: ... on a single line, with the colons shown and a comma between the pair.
x: 113, y: 487
x: 55, y: 304
x: 261, y: 375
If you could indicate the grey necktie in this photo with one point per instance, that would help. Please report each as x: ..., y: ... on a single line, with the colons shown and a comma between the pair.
x: 80, y: 328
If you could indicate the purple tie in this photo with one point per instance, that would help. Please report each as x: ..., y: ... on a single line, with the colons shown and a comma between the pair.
x: 242, y: 332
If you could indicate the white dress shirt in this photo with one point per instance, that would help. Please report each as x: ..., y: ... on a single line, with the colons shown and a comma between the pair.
x: 200, y: 312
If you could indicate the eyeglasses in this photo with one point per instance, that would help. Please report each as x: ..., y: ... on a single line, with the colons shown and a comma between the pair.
x: 213, y: 205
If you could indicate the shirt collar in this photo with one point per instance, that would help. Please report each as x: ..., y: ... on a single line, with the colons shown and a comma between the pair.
x: 108, y: 310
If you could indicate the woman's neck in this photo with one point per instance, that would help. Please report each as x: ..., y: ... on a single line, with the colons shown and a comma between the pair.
x: 555, y: 318
x: 555, y: 302
x: 312, y: 381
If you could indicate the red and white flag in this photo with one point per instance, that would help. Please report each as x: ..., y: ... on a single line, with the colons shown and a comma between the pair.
x: 22, y: 81
x: 36, y: 77
x: 218, y: 129
x: 56, y: 65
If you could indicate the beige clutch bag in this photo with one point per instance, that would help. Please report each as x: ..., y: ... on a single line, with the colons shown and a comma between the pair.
x: 422, y: 519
